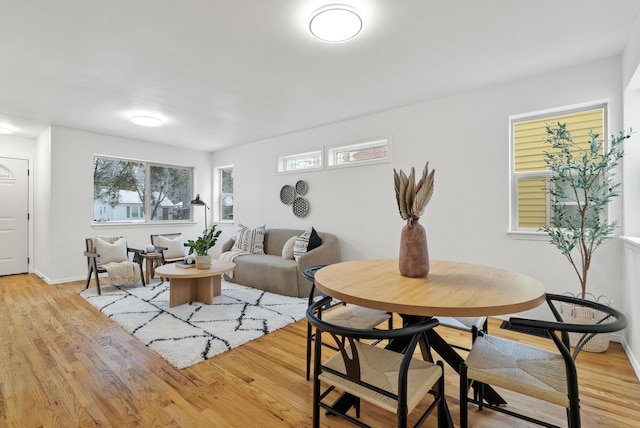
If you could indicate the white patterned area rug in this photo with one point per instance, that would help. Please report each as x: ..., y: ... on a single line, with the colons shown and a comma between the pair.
x: 194, y: 332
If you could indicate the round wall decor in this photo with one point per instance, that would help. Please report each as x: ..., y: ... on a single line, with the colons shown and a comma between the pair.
x: 300, y: 207
x: 301, y: 187
x: 287, y: 194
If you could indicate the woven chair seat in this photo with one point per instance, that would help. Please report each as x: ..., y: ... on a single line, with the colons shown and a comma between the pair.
x: 380, y: 367
x: 462, y: 323
x: 354, y: 316
x: 520, y: 368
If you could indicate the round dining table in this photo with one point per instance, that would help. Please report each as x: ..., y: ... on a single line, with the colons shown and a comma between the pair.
x: 451, y: 289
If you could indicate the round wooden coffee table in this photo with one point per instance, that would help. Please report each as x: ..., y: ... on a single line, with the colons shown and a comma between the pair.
x: 187, y: 285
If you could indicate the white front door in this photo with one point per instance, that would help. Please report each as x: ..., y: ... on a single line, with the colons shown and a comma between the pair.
x: 14, y: 211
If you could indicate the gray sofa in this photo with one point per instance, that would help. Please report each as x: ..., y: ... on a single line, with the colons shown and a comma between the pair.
x: 271, y: 272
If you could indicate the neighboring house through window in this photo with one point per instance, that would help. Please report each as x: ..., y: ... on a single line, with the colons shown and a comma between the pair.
x: 530, y: 202
x: 120, y: 191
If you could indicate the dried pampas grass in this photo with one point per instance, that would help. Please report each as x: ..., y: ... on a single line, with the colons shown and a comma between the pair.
x: 413, y: 197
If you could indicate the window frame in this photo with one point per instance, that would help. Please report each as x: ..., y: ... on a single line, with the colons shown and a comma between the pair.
x: 219, y: 194
x: 515, y: 177
x: 281, y: 167
x: 332, y: 151
x: 145, y: 208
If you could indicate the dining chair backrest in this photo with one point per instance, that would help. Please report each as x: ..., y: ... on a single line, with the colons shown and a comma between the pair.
x: 362, y: 369
x: 546, y: 375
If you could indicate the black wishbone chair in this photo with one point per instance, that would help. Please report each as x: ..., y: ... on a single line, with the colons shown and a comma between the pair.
x: 393, y: 381
x: 347, y: 315
x: 539, y: 373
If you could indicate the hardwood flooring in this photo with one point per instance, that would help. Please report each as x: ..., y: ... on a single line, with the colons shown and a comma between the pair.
x: 64, y: 364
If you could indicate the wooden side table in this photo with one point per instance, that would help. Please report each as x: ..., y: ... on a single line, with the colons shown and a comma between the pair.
x: 153, y: 260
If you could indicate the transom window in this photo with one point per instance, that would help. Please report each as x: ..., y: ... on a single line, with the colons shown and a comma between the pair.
x: 134, y: 191
x: 307, y: 161
x: 357, y: 154
x: 530, y: 202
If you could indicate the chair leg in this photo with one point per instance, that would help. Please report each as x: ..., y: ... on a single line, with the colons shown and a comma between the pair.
x: 573, y: 412
x: 443, y: 411
x: 464, y: 391
x: 142, y: 276
x: 309, y: 332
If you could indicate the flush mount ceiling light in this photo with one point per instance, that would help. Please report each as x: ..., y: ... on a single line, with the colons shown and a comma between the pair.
x: 335, y: 23
x: 146, y: 121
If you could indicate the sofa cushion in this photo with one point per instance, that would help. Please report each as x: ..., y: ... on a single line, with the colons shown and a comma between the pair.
x: 267, y: 272
x: 306, y: 242
x: 251, y: 240
x: 287, y: 249
x: 175, y: 246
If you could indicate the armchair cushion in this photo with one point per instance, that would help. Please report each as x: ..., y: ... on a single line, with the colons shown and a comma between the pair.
x: 110, y: 250
x: 174, y: 247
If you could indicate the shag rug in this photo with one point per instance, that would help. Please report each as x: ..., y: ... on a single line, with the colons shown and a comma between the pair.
x: 194, y: 332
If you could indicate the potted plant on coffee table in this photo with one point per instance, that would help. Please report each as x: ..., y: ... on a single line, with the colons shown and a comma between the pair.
x: 581, y: 186
x: 202, y: 245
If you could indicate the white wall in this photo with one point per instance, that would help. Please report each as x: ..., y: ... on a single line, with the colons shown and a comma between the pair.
x: 465, y: 137
x: 65, y: 197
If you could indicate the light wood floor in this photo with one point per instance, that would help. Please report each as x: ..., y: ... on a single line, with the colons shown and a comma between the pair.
x: 64, y: 364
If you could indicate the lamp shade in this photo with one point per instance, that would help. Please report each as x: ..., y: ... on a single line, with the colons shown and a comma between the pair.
x: 198, y: 201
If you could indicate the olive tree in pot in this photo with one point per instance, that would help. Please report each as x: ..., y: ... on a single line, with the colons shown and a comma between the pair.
x: 202, y: 245
x: 581, y: 186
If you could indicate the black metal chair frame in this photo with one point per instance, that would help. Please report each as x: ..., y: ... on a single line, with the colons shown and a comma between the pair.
x: 474, y: 333
x: 344, y: 337
x: 93, y: 268
x: 613, y: 321
x: 309, y: 273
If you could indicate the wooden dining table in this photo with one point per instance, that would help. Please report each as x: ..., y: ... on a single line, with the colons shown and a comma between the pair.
x: 451, y: 289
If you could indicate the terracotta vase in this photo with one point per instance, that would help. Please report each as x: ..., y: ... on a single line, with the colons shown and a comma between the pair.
x: 414, y: 255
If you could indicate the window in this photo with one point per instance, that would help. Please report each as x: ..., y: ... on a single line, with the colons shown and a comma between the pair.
x: 300, y: 162
x: 120, y: 191
x: 223, y: 183
x: 530, y: 202
x: 357, y: 154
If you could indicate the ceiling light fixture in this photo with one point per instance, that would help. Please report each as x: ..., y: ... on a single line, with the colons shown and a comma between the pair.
x: 335, y: 23
x: 146, y: 121
x: 5, y: 130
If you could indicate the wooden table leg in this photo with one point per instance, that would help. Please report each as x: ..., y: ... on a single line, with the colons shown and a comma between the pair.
x: 148, y: 273
x: 185, y: 290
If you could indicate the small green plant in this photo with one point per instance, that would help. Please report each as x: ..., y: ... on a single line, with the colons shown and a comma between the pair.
x: 581, y: 187
x: 202, y: 244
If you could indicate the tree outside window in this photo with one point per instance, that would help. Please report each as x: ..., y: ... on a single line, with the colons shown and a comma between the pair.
x: 120, y: 191
x: 225, y: 196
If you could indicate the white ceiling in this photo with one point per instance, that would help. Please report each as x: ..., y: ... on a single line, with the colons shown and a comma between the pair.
x: 225, y: 72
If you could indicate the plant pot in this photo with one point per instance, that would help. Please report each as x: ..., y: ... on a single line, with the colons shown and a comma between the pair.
x: 203, y: 262
x: 414, y: 255
x: 581, y: 315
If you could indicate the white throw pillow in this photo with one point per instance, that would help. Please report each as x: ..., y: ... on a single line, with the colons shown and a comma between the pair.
x: 251, y: 240
x: 175, y: 246
x: 287, y: 248
x: 108, y: 252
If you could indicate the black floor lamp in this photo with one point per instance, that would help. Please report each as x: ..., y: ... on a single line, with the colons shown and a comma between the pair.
x: 198, y: 201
